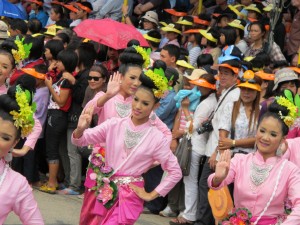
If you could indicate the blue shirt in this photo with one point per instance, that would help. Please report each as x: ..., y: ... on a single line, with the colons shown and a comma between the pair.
x: 41, y: 16
x: 167, y: 109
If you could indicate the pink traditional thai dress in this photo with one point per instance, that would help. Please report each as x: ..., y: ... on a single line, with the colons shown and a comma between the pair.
x: 150, y: 147
x: 255, y: 197
x: 293, y: 152
x: 16, y: 195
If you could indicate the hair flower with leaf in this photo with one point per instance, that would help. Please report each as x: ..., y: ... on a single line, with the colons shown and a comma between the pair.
x: 145, y: 55
x: 292, y: 115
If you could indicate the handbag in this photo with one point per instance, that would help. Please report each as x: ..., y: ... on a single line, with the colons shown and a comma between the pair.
x: 220, y: 202
x: 183, y: 153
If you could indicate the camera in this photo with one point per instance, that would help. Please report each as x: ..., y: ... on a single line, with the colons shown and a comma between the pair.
x: 205, y: 127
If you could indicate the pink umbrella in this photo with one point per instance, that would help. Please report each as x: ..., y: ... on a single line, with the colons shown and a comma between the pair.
x: 109, y: 32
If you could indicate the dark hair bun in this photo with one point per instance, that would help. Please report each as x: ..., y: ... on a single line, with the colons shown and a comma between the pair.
x: 159, y: 64
x: 8, y: 103
x: 130, y: 56
x: 147, y: 82
x: 274, y: 107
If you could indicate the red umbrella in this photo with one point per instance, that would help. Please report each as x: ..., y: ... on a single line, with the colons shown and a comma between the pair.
x: 109, y: 32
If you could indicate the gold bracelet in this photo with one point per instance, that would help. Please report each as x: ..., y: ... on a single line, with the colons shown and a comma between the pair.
x: 233, y: 143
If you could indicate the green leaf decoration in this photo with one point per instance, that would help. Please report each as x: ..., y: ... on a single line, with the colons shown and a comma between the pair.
x: 159, y: 71
x: 149, y: 51
x: 297, y: 103
x: 288, y: 94
x: 28, y: 96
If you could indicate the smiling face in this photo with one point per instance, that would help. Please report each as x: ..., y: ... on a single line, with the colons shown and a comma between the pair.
x: 8, y: 137
x: 269, y: 136
x: 131, y: 81
x: 227, y: 78
x: 6, y: 68
x: 95, y: 84
x: 142, y: 105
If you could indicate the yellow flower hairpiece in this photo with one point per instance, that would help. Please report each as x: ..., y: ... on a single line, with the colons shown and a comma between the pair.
x: 23, y: 50
x: 159, y: 80
x: 24, y: 117
x: 292, y: 115
x: 144, y: 55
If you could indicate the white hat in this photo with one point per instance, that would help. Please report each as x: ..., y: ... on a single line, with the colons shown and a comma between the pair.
x: 151, y: 16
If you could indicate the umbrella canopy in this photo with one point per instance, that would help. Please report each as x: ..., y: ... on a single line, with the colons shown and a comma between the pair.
x: 109, y: 32
x: 8, y: 9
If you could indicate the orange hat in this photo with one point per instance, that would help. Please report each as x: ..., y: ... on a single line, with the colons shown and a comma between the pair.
x: 71, y: 8
x: 84, y: 8
x: 248, y: 81
x: 34, y: 73
x: 295, y: 69
x: 175, y: 13
x: 197, y: 20
x: 265, y: 76
x: 192, y: 31
x: 203, y: 83
x: 57, y: 3
x: 36, y: 2
x: 234, y: 69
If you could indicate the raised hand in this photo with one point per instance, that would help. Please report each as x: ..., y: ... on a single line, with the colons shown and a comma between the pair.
x: 223, y: 166
x: 114, y: 84
x: 85, y: 119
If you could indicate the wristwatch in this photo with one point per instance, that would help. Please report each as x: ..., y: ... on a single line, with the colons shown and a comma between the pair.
x: 125, y: 15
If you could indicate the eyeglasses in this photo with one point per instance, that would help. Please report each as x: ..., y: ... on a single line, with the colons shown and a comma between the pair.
x: 250, y: 81
x: 94, y: 78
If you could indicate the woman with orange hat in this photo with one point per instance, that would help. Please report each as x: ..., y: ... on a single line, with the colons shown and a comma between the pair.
x: 237, y: 127
x: 37, y: 11
x: 267, y: 76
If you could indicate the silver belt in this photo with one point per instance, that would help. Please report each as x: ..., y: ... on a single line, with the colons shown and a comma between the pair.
x: 126, y: 180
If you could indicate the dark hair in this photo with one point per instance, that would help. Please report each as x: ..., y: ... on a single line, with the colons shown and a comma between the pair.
x: 86, y: 4
x: 133, y: 42
x: 274, y: 111
x: 205, y: 17
x: 171, y: 72
x: 154, y: 34
x: 55, y: 46
x: 58, y: 9
x: 233, y: 63
x: 41, y: 68
x: 26, y: 82
x: 173, y: 50
x: 100, y: 69
x: 280, y: 64
x: 204, y: 59
x: 69, y: 59
x: 215, y: 33
x: 210, y: 79
x: 86, y: 55
x: 242, y: 31
x: 130, y: 58
x: 34, y: 26
x: 261, y: 60
x: 230, y: 35
x: 64, y: 38
x: 18, y: 24
x: 8, y: 103
x: 260, y: 24
x: 9, y: 55
x: 269, y: 91
x: 37, y: 46
x: 148, y: 85
x: 159, y: 64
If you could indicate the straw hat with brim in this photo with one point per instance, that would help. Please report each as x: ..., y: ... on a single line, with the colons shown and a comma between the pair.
x: 151, y: 16
x: 203, y: 83
x: 83, y: 7
x: 252, y: 7
x: 164, y: 24
x: 265, y: 76
x: 236, y: 11
x: 175, y: 13
x: 236, y: 24
x: 34, y: 73
x: 71, y: 8
x: 208, y: 36
x: 234, y: 69
x: 295, y: 69
x: 153, y: 39
x: 197, y: 20
x: 36, y: 2
x: 196, y: 74
x: 283, y: 75
x: 183, y: 21
x: 184, y: 64
x: 171, y: 28
x: 192, y: 31
x: 248, y: 81
x: 52, y: 30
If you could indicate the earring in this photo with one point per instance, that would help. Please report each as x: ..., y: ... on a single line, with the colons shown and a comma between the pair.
x: 8, y: 158
x: 152, y: 119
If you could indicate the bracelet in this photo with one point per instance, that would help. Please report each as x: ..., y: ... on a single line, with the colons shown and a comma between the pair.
x: 233, y: 143
x: 125, y: 15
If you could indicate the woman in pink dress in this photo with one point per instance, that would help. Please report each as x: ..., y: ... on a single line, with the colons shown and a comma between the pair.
x: 16, y: 120
x: 263, y: 180
x: 133, y: 144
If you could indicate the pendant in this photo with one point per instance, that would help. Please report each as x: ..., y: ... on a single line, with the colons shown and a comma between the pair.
x: 123, y: 110
x: 259, y: 174
x: 132, y: 138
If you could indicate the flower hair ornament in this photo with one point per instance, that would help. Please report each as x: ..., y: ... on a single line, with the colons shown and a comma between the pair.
x: 145, y: 55
x: 292, y: 115
x: 22, y: 52
x: 160, y: 81
x: 24, y: 117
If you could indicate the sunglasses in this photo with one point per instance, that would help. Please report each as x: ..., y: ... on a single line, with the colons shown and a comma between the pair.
x: 250, y: 81
x: 94, y: 78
